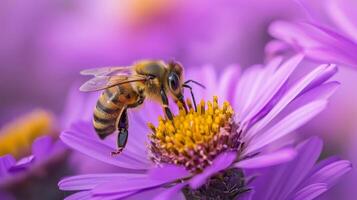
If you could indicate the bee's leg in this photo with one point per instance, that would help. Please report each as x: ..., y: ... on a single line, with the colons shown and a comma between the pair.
x: 165, y: 105
x: 123, y: 132
x: 193, y: 96
x: 182, y: 101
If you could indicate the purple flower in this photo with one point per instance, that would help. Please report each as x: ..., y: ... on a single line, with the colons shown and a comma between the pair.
x: 267, y: 106
x: 329, y: 36
x: 26, y: 145
x: 300, y: 178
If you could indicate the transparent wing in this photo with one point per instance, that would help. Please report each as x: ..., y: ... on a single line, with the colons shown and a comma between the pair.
x: 103, y: 82
x: 108, y: 71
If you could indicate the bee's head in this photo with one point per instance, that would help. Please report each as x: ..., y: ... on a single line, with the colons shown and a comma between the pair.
x: 175, y: 79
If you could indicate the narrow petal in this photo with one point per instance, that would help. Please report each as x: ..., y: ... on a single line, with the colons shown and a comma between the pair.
x: 248, y: 87
x: 330, y: 174
x: 268, y: 159
x: 272, y: 85
x: 287, y: 125
x: 114, y: 196
x: 83, y: 195
x: 289, y: 96
x: 227, y: 82
x: 322, y: 78
x: 133, y: 184
x: 100, y: 151
x: 6, y: 162
x: 23, y: 163
x: 149, y: 193
x: 170, y: 193
x: 299, y: 168
x: 168, y: 172
x: 135, y: 147
x: 321, y: 92
x: 311, y: 192
x: 156, y: 177
x: 41, y: 147
x: 89, y: 181
x: 323, y: 163
x: 341, y: 18
x: 223, y: 161
x: 317, y: 42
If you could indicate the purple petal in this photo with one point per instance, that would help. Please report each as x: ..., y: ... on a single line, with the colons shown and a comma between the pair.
x: 227, y: 82
x: 321, y: 164
x: 89, y: 181
x: 322, y: 92
x: 289, y: 96
x: 272, y: 85
x: 268, y: 159
x: 135, y: 147
x: 84, y: 195
x: 298, y: 169
x: 100, y: 151
x: 149, y: 193
x: 134, y: 184
x: 248, y: 87
x: 168, y: 172
x: 41, y: 147
x: 291, y: 122
x: 322, y: 78
x: 114, y: 196
x: 311, y: 192
x: 316, y: 42
x: 22, y: 164
x: 6, y: 162
x: 223, y: 161
x: 330, y: 173
x: 170, y: 193
x: 342, y: 19
x: 276, y: 47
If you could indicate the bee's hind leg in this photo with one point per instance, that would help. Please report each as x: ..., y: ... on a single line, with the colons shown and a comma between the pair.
x: 122, y: 133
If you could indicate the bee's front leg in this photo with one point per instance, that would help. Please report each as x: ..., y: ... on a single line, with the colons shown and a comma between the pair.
x: 182, y: 101
x: 165, y: 104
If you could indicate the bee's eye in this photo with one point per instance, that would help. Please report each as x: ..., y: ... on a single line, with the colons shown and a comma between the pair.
x: 173, y: 81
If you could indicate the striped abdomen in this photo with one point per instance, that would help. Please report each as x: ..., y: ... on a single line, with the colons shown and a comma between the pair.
x: 107, y: 111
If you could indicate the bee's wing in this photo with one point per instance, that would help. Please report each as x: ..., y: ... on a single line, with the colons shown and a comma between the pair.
x: 108, y: 71
x: 103, y: 82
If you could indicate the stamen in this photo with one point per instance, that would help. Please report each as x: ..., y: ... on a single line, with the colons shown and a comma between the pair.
x: 195, y: 138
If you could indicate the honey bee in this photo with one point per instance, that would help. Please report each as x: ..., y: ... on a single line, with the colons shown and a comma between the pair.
x: 128, y: 87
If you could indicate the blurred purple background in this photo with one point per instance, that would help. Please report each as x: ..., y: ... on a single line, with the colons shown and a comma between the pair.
x: 44, y: 44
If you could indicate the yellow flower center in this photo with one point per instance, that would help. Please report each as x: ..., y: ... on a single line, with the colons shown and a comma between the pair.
x: 16, y: 137
x: 194, y: 136
x: 141, y: 10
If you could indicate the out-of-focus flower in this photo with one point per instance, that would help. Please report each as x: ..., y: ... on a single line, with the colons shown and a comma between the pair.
x: 266, y: 106
x: 330, y: 37
x: 44, y: 43
x: 27, y: 144
x: 195, y: 32
x: 300, y: 178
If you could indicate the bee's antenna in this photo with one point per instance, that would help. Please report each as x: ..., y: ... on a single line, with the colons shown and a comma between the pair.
x: 195, y: 82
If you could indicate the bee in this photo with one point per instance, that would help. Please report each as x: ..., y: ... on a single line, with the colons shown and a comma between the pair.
x: 128, y: 87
